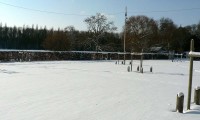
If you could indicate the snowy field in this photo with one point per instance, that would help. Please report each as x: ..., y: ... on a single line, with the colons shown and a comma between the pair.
x: 95, y: 90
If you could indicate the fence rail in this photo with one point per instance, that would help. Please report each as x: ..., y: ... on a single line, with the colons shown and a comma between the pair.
x: 194, y: 54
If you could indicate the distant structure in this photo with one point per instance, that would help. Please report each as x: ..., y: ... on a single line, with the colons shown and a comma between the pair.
x: 157, y: 50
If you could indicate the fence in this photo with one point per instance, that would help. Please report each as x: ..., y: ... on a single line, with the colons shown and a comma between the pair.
x: 192, y: 54
x: 40, y: 55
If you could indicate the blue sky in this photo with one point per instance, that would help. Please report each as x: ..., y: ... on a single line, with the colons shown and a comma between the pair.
x: 182, y: 12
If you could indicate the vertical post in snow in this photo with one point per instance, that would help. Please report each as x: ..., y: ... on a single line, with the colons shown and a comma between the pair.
x: 141, y: 70
x: 179, y: 102
x: 151, y: 69
x: 138, y: 68
x: 128, y: 68
x: 131, y: 62
x: 141, y: 60
x: 181, y: 57
x: 197, y: 95
x: 190, y: 75
x: 118, y: 57
x: 124, y: 58
x: 125, y: 35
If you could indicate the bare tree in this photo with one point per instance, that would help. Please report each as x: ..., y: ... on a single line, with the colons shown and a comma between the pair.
x: 71, y: 33
x: 166, y: 31
x: 97, y: 26
x: 140, y: 32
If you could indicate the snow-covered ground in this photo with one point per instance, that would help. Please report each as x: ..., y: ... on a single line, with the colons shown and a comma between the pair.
x: 95, y: 90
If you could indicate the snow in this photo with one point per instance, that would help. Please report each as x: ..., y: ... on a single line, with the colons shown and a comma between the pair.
x: 197, y: 88
x: 95, y: 90
x: 180, y: 94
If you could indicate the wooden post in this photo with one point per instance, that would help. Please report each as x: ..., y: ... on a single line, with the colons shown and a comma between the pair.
x: 141, y: 60
x: 118, y: 57
x: 197, y: 95
x: 151, y: 69
x: 138, y: 68
x: 181, y: 57
x: 190, y: 75
x: 128, y: 68
x: 179, y: 102
x: 125, y: 37
x: 141, y: 70
x: 131, y: 62
x: 124, y: 58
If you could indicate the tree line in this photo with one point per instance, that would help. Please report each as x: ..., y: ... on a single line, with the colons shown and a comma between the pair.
x: 22, y: 37
x: 142, y: 32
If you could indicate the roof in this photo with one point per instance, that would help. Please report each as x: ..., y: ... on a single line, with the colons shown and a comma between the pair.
x: 156, y: 49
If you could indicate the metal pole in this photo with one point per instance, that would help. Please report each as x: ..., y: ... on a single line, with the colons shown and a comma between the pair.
x: 190, y: 75
x: 125, y: 35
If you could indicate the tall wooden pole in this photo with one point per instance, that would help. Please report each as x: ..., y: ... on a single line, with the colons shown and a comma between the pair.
x: 125, y: 36
x: 190, y: 75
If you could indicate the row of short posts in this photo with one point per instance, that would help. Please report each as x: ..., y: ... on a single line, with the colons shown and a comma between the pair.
x: 130, y: 68
x: 141, y: 62
x: 180, y: 99
x: 117, y: 62
x: 141, y: 70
